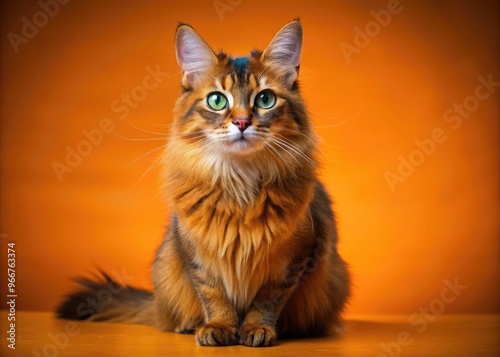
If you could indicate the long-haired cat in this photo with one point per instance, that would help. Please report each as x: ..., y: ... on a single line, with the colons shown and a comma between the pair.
x: 251, y: 249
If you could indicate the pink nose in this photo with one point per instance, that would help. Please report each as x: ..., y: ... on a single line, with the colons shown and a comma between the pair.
x: 241, y: 122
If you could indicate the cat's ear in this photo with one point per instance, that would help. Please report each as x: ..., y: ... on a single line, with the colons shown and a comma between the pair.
x: 283, y: 53
x: 194, y: 55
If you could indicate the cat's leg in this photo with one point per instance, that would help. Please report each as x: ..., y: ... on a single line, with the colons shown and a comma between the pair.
x: 176, y: 303
x: 259, y: 326
x: 307, y: 303
x: 177, y: 306
x: 188, y: 295
x: 315, y: 307
x: 221, y: 318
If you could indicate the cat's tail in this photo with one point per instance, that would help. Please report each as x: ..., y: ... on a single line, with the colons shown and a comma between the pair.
x: 104, y: 299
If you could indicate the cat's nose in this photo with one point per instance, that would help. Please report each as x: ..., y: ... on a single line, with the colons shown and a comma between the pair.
x: 241, y: 122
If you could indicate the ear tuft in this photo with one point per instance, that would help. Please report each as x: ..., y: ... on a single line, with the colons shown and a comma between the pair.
x: 285, y: 48
x: 193, y: 54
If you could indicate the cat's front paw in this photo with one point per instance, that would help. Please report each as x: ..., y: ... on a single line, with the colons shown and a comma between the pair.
x: 257, y: 335
x: 213, y: 334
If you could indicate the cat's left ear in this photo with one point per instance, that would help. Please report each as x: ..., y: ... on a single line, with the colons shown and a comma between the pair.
x: 283, y: 53
x: 194, y: 55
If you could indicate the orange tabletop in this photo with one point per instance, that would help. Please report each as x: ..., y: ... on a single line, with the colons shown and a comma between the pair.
x: 40, y: 334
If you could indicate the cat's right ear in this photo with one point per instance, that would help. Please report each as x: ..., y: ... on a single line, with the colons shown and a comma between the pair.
x: 193, y: 54
x: 283, y: 53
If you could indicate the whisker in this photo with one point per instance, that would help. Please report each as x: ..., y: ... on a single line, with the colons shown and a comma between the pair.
x: 163, y: 125
x: 337, y: 124
x: 282, y: 146
x: 181, y: 139
x: 321, y: 142
x: 278, y: 156
x: 187, y: 146
x: 294, y: 148
x: 151, y: 167
x: 157, y: 161
x: 339, y: 162
x: 146, y: 131
x: 329, y: 157
x: 305, y: 136
x: 187, y: 134
x: 137, y: 139
x: 146, y: 154
x: 324, y: 115
x: 343, y: 164
x: 198, y: 139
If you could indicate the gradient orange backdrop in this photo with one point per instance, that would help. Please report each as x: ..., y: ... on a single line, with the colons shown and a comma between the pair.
x: 109, y: 212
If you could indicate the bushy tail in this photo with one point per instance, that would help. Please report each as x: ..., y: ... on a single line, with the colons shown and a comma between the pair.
x: 104, y: 299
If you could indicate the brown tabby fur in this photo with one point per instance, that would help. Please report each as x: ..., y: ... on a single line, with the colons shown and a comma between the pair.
x: 251, y: 249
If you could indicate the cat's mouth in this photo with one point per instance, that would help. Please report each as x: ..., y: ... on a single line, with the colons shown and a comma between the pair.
x: 242, y: 143
x: 237, y: 142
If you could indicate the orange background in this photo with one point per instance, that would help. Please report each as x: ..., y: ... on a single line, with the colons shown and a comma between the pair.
x: 440, y: 223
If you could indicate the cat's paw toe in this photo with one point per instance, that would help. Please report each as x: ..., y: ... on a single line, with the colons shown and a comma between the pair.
x: 184, y: 330
x: 257, y: 335
x: 213, y: 334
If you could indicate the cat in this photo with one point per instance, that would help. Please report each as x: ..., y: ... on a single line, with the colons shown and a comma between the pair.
x: 250, y: 253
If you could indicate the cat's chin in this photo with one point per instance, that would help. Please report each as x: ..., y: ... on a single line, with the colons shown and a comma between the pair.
x: 243, y: 146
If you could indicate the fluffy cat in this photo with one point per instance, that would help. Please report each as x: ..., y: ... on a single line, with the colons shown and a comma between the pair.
x: 251, y: 249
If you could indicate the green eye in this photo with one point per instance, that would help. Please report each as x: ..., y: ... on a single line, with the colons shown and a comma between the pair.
x: 265, y: 99
x: 217, y: 101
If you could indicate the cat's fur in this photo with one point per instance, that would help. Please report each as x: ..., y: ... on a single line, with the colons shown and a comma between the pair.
x: 251, y: 248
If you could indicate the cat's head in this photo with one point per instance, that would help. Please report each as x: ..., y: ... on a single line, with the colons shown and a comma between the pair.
x: 245, y: 106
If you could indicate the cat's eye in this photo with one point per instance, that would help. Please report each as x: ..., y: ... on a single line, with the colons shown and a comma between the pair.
x: 265, y: 99
x: 217, y: 101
